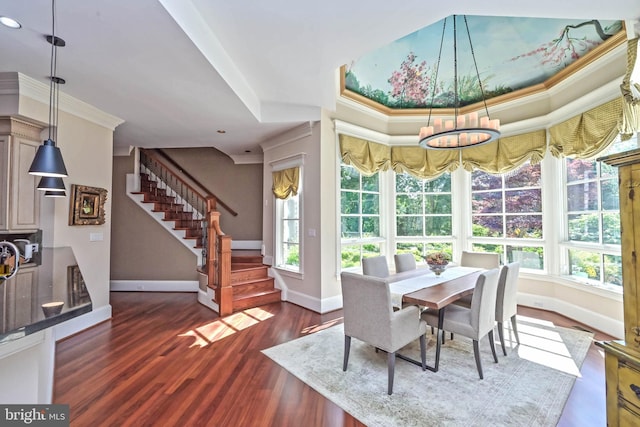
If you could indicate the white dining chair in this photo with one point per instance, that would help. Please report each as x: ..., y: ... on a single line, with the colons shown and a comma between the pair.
x: 486, y: 260
x: 506, y: 301
x: 369, y: 317
x: 404, y: 262
x: 375, y: 266
x: 474, y: 322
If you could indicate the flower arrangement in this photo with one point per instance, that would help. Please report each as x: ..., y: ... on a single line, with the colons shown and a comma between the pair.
x: 437, y: 258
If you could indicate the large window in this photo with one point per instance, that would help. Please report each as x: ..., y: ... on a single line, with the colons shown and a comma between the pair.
x: 359, y: 216
x: 593, y: 219
x: 423, y: 215
x: 288, y: 232
x: 506, y: 215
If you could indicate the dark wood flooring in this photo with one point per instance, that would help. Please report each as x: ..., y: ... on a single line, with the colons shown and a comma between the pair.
x: 165, y: 360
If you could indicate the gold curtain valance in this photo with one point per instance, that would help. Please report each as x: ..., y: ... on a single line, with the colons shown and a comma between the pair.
x: 366, y: 156
x: 506, y: 154
x: 500, y: 156
x: 631, y: 106
x: 424, y: 164
x: 625, y: 87
x: 589, y: 133
x: 286, y: 182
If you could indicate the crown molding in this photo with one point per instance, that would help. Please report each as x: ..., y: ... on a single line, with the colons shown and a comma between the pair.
x: 246, y: 159
x: 299, y: 132
x: 39, y: 91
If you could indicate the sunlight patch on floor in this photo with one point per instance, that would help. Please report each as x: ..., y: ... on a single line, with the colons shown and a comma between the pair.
x: 544, y: 347
x: 221, y: 328
x: 315, y: 328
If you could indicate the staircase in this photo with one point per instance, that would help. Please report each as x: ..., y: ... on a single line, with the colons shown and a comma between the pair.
x: 186, y: 224
x: 250, y: 283
x: 252, y: 286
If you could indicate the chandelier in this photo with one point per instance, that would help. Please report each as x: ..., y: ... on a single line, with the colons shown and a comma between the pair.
x: 464, y: 130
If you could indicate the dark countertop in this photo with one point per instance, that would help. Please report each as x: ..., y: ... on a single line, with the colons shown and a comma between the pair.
x: 56, y: 279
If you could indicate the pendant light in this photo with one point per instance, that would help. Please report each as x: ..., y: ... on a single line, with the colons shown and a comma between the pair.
x: 48, y: 160
x: 55, y: 194
x: 51, y: 183
x: 464, y: 130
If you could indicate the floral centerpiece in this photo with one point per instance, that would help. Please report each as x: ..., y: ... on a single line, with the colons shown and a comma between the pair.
x: 437, y: 261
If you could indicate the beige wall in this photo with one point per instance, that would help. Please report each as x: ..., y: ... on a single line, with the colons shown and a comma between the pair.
x: 86, y: 146
x: 304, y: 289
x: 142, y: 250
x: 239, y: 186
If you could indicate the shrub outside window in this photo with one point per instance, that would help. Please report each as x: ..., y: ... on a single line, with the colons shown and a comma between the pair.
x: 506, y: 215
x: 359, y: 216
x: 593, y: 218
x: 423, y: 215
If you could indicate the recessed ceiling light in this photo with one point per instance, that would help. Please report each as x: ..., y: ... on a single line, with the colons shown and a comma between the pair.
x: 9, y: 22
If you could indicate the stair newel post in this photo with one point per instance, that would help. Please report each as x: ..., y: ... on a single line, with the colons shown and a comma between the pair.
x: 212, y: 251
x: 219, y: 262
x: 225, y: 289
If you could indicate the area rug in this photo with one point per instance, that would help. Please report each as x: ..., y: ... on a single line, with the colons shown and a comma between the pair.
x: 528, y: 387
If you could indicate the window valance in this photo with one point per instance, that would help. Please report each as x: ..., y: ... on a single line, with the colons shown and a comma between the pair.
x: 506, y: 154
x: 286, y: 182
x: 422, y: 163
x: 589, y: 133
x: 497, y: 157
x: 631, y: 92
x: 366, y: 156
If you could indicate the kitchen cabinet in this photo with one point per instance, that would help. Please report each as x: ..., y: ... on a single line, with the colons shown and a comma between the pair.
x: 19, y: 197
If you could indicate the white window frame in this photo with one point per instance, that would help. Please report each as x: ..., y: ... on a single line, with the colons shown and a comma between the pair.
x: 383, y: 214
x: 601, y: 248
x: 510, y: 241
x: 278, y: 241
x: 424, y: 240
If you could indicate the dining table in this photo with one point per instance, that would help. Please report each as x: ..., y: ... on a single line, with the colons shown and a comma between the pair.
x: 434, y: 292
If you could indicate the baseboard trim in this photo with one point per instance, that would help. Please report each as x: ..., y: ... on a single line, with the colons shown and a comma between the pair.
x: 602, y: 323
x: 82, y: 322
x: 206, y: 298
x: 154, y: 286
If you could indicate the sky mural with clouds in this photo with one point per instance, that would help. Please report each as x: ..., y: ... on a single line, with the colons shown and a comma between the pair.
x: 510, y: 53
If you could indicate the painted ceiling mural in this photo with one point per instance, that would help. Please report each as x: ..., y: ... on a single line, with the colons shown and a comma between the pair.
x: 510, y: 53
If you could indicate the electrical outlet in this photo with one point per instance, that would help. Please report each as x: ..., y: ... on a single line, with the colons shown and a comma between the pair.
x: 35, y: 248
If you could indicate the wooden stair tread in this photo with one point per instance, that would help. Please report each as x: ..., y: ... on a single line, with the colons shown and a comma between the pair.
x: 257, y: 294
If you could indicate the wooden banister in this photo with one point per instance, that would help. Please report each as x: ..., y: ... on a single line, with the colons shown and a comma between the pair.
x: 219, y: 264
x: 207, y: 194
x: 217, y: 245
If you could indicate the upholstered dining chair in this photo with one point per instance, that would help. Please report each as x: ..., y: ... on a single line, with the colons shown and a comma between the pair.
x: 404, y: 262
x: 375, y: 266
x: 474, y: 322
x: 486, y: 260
x: 369, y: 317
x: 506, y: 300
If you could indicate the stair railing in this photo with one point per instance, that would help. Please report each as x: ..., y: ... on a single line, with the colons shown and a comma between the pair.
x: 202, y: 206
x: 219, y: 265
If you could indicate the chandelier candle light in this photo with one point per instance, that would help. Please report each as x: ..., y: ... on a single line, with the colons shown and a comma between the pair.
x: 464, y: 130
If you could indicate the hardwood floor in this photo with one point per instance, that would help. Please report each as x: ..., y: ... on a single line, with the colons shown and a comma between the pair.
x: 165, y: 360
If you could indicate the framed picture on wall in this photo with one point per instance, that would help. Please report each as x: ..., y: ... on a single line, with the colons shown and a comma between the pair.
x: 87, y: 205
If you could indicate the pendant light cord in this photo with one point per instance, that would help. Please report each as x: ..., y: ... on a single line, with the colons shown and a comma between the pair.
x: 53, y: 66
